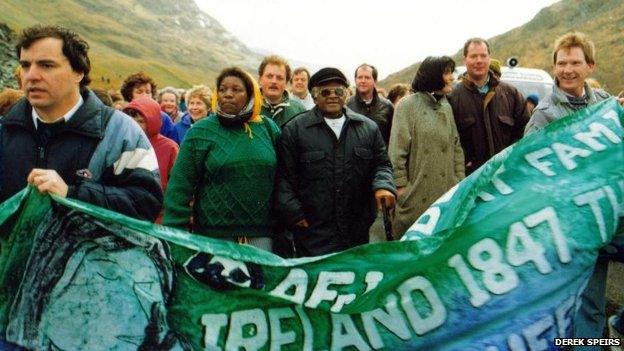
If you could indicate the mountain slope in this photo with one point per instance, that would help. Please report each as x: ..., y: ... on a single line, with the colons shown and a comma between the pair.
x: 601, y: 20
x: 173, y: 41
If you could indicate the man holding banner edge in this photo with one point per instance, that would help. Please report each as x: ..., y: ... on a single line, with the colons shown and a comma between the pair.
x: 370, y: 297
x: 573, y: 62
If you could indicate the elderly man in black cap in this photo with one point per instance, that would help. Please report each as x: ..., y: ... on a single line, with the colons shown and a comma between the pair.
x: 332, y: 163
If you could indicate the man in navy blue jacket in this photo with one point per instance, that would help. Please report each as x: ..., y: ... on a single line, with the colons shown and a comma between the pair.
x: 64, y: 141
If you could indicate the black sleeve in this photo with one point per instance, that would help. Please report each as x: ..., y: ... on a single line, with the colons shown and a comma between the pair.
x: 382, y: 177
x: 389, y: 116
x: 287, y: 205
x: 520, y: 116
x: 134, y: 192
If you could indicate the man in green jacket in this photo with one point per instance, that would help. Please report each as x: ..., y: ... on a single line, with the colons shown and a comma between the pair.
x: 273, y: 74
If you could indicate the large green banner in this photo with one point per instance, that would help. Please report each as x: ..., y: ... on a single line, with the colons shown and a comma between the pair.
x: 497, y: 263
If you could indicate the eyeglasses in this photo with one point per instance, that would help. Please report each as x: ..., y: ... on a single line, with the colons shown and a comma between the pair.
x: 339, y: 91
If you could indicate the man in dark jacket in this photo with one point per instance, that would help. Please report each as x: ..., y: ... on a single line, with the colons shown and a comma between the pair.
x: 64, y: 141
x: 331, y: 162
x: 369, y: 103
x: 490, y: 114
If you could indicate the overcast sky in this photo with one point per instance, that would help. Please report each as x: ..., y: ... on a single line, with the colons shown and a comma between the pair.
x: 389, y: 34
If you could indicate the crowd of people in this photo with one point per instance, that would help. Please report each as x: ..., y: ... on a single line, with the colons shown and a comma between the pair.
x: 300, y: 172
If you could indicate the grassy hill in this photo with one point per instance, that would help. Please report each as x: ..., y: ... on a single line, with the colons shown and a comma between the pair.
x: 601, y: 20
x: 173, y: 41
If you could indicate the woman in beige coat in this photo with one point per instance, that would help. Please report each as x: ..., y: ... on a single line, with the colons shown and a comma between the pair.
x: 424, y: 145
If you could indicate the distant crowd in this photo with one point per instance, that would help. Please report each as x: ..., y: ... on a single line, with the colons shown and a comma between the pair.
x: 290, y: 162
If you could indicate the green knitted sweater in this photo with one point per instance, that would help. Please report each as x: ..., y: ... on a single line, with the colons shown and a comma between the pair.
x: 229, y: 175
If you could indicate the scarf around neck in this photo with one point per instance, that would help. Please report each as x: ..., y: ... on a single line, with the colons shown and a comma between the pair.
x: 240, y: 119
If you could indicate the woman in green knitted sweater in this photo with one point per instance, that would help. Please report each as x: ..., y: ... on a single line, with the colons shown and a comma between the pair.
x: 226, y: 167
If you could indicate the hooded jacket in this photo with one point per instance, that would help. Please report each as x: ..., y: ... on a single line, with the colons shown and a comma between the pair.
x: 166, y: 149
x: 229, y: 173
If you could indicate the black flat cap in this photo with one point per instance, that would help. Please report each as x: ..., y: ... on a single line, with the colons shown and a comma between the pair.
x: 327, y: 74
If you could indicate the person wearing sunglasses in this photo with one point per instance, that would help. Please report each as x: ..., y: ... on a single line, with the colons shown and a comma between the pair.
x: 333, y: 170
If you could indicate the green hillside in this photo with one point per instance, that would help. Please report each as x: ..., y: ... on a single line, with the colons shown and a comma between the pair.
x: 601, y: 20
x: 173, y: 41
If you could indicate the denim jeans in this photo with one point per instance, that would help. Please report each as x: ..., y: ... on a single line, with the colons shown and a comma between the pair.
x: 589, y: 321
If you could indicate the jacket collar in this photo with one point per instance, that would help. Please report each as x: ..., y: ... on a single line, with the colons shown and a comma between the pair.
x: 360, y: 101
x: 317, y: 117
x: 186, y: 119
x: 560, y: 96
x: 283, y: 103
x: 85, y: 121
x: 431, y: 100
x: 492, y: 82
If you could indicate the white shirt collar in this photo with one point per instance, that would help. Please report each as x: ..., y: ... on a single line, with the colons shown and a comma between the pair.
x: 66, y: 116
x: 336, y: 124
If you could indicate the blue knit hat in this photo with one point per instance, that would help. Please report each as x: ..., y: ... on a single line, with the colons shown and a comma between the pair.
x: 533, y: 98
